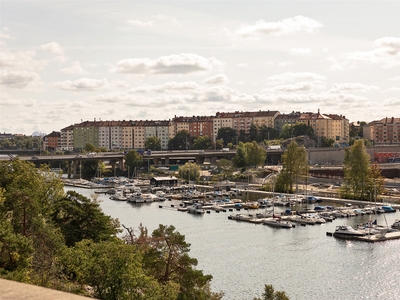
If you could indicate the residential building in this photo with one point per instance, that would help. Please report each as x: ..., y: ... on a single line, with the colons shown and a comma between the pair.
x: 286, y: 119
x: 327, y: 125
x: 67, y: 138
x: 52, y: 141
x: 385, y: 131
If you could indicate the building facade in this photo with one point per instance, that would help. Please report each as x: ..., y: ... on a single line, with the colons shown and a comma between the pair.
x: 383, y: 132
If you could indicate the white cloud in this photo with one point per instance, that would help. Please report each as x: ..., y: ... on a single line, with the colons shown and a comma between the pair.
x: 4, y: 35
x: 300, y: 51
x: 22, y: 60
x: 386, y: 55
x: 392, y: 89
x: 392, y: 102
x: 184, y: 63
x: 396, y: 78
x: 19, y: 79
x: 353, y: 87
x: 83, y: 84
x: 53, y: 48
x: 285, y: 26
x: 217, y: 79
x: 295, y: 76
x: 167, y: 87
x: 159, y: 19
x: 75, y: 68
x: 297, y: 87
x: 390, y: 45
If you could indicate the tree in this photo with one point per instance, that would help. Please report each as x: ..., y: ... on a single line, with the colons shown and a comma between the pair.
x: 228, y: 135
x: 16, y: 250
x: 153, y: 143
x: 133, y: 160
x: 271, y: 294
x: 181, y: 141
x: 249, y: 154
x: 81, y: 218
x: 30, y: 195
x: 255, y: 154
x: 267, y: 133
x: 295, y: 166
x: 189, y: 171
x: 225, y: 166
x: 253, y: 133
x: 89, y: 148
x: 240, y: 159
x: 302, y: 129
x: 167, y: 258
x: 202, y: 143
x: 115, y: 271
x: 359, y: 178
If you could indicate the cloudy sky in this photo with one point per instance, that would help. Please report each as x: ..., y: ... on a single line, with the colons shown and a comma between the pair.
x: 66, y: 61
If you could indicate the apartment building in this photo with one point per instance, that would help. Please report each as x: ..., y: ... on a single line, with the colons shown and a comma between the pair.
x: 67, y: 138
x: 86, y: 132
x: 339, y: 128
x: 264, y: 118
x: 221, y: 120
x: 331, y: 126
x: 385, y: 131
x: 286, y: 119
x: 52, y: 141
x: 159, y: 129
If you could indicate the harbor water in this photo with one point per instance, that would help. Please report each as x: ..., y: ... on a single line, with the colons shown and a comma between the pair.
x: 303, y: 261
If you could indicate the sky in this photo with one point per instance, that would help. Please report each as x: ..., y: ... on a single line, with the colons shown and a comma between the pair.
x: 64, y: 62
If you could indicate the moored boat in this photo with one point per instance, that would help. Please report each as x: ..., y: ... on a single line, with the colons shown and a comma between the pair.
x: 346, y: 231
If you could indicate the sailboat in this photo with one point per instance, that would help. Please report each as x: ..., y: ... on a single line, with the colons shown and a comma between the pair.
x: 276, y: 221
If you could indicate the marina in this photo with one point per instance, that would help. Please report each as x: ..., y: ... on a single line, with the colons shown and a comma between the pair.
x: 303, y: 261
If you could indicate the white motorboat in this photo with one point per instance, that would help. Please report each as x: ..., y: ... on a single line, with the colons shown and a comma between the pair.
x: 346, y: 231
x: 136, y: 198
x: 396, y: 224
x: 119, y: 196
x: 277, y: 222
x: 196, y: 209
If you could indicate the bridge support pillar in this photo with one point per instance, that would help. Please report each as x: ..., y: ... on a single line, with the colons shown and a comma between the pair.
x: 155, y: 161
x: 121, y: 164
x: 69, y: 168
x: 167, y: 160
x: 74, y: 168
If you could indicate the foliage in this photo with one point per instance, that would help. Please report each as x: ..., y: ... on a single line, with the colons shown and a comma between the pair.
x: 226, y: 167
x: 227, y: 135
x: 202, y: 143
x: 249, y: 154
x: 295, y: 166
x: 298, y: 129
x: 189, y: 171
x: 133, y: 160
x: 21, y: 143
x: 326, y: 142
x: 30, y: 195
x: 115, y: 271
x: 81, y: 218
x: 167, y: 259
x: 15, y: 249
x: 89, y: 148
x: 153, y: 143
x: 181, y: 141
x: 360, y: 180
x: 271, y: 294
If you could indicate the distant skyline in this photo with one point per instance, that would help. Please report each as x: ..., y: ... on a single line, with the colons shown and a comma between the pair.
x: 63, y: 62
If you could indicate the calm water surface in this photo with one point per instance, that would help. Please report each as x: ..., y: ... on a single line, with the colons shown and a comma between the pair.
x: 302, y: 261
